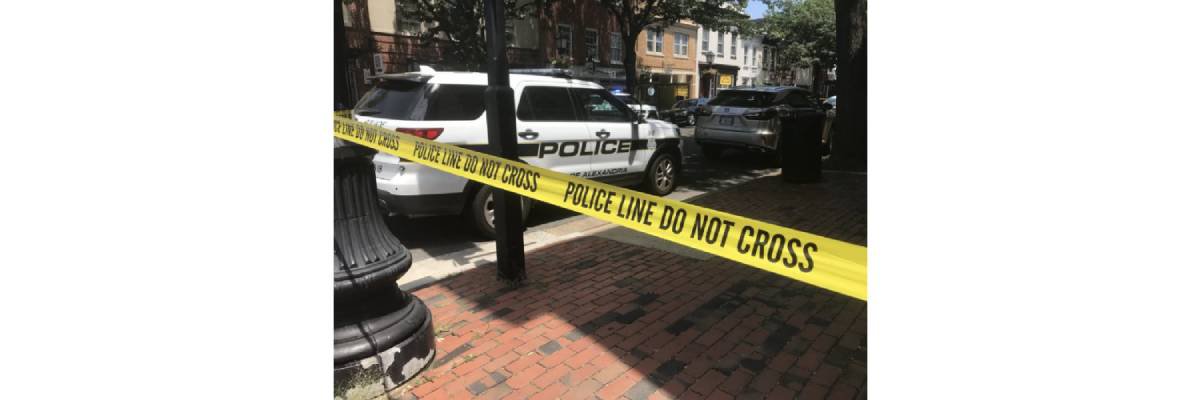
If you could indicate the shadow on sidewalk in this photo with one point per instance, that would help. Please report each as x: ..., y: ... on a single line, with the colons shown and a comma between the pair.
x: 603, y: 318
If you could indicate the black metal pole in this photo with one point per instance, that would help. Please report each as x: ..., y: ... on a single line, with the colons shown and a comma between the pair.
x: 341, y: 94
x: 502, y: 141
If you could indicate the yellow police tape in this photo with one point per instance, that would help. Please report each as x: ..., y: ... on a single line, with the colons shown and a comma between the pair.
x: 832, y: 264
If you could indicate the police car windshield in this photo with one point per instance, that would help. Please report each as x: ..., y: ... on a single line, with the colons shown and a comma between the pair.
x: 626, y: 98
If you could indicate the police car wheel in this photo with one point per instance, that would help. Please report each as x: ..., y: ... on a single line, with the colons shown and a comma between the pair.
x: 483, y: 211
x: 663, y: 174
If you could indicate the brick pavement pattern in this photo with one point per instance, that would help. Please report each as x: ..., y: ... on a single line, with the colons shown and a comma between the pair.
x: 603, y: 319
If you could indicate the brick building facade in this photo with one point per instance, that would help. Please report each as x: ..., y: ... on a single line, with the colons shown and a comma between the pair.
x: 581, y: 36
x: 667, y: 63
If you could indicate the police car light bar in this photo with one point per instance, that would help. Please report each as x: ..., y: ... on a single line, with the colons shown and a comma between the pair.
x: 554, y: 72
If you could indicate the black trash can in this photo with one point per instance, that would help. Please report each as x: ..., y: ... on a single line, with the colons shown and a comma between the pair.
x: 800, y: 150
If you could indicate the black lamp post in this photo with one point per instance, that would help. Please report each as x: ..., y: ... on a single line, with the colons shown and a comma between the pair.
x: 382, y: 335
x: 502, y: 141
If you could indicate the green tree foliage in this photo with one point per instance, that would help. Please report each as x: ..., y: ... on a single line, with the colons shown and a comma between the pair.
x: 460, y: 24
x: 805, y: 31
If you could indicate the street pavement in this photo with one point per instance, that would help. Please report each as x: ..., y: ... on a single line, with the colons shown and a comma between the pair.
x: 443, y: 246
x: 613, y: 319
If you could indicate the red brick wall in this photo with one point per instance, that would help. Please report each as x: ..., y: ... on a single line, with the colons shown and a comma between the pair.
x: 581, y: 15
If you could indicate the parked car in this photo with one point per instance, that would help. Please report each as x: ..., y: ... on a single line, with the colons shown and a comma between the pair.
x: 566, y: 125
x: 749, y: 118
x: 684, y: 111
x: 645, y: 110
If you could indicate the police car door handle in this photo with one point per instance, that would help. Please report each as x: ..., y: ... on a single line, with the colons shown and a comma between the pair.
x: 603, y: 134
x: 528, y: 134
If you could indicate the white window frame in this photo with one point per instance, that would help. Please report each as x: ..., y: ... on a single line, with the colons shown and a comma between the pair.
x: 677, y: 46
x: 733, y: 46
x: 654, y: 40
x: 570, y: 40
x: 721, y: 44
x: 596, y: 45
x: 704, y: 40
x: 746, y: 55
x: 616, y: 48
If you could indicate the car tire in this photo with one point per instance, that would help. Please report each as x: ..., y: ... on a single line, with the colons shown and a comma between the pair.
x: 662, y: 174
x: 712, y: 151
x: 479, y: 211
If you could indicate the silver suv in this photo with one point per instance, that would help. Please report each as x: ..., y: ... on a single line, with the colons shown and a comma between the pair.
x: 749, y: 117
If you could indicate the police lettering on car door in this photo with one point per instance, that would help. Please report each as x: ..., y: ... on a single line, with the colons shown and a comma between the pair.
x: 584, y: 148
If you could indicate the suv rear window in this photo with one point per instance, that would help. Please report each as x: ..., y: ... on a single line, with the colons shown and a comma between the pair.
x: 417, y: 101
x: 742, y: 98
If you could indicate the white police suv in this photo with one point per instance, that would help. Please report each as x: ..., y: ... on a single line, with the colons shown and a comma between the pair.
x: 566, y: 125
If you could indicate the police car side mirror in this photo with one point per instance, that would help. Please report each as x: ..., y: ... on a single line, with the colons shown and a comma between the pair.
x: 641, y: 119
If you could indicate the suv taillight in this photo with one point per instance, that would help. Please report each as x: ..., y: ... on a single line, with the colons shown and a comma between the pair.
x: 703, y: 110
x: 760, y: 114
x: 423, y: 133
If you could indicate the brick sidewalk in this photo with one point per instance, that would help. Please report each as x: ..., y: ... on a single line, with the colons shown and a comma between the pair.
x: 599, y: 318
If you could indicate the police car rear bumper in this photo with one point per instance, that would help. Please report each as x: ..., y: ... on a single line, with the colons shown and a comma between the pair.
x: 415, y: 190
x: 424, y: 205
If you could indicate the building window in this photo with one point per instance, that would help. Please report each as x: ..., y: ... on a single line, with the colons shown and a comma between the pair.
x: 733, y: 46
x: 408, y: 26
x: 563, y: 41
x: 510, y: 34
x: 654, y: 41
x: 754, y: 56
x: 591, y: 39
x: 704, y: 41
x: 746, y: 52
x: 681, y: 44
x: 614, y: 48
x: 720, y: 44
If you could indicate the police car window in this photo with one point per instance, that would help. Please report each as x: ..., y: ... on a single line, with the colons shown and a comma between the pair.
x: 455, y: 103
x: 600, y: 106
x: 542, y: 103
x: 394, y: 99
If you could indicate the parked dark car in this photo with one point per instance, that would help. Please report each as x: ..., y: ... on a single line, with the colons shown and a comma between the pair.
x: 683, y: 113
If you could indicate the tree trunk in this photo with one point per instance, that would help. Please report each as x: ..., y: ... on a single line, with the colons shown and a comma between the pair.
x: 850, y: 142
x: 631, y: 77
x: 819, y: 78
